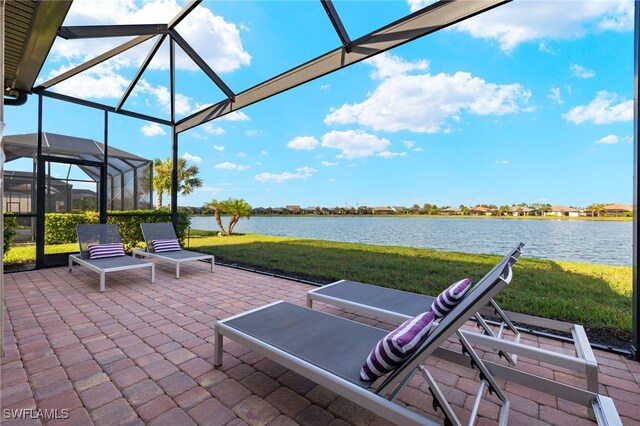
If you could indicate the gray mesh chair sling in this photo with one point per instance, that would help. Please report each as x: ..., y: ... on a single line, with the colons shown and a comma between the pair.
x: 104, y: 234
x: 330, y: 350
x: 395, y: 307
x: 165, y: 231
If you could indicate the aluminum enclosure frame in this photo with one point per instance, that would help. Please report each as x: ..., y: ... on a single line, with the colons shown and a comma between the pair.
x: 418, y: 24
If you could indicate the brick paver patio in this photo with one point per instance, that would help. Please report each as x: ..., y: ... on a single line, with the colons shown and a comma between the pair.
x: 142, y: 353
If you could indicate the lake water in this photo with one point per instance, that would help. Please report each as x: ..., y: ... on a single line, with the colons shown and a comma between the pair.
x: 599, y: 242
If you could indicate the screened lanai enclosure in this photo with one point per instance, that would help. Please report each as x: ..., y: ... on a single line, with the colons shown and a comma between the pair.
x: 31, y: 41
x: 71, y: 177
x: 73, y: 186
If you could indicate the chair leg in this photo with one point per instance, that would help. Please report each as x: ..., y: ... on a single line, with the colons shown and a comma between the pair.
x: 212, y: 263
x: 70, y: 264
x: 102, y: 274
x: 218, y: 343
x: 153, y: 273
x: 177, y: 270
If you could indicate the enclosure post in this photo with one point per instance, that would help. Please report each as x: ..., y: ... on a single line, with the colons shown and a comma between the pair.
x: 174, y: 136
x: 40, y: 193
x: 636, y: 187
x: 102, y: 190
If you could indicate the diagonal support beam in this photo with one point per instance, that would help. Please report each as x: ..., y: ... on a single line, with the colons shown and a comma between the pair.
x: 93, y: 62
x: 426, y: 21
x: 141, y: 70
x: 99, y: 31
x: 202, y: 64
x: 337, y: 24
x: 183, y: 13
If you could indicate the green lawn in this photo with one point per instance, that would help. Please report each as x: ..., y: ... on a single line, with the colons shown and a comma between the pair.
x: 599, y: 297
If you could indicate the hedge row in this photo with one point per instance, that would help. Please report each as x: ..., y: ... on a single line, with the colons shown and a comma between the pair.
x: 60, y: 228
x: 8, y: 231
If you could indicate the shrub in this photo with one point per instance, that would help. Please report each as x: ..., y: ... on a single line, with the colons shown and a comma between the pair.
x: 60, y: 228
x: 129, y: 224
x: 8, y: 231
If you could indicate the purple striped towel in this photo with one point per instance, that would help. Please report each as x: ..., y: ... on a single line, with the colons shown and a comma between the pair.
x: 99, y: 251
x: 394, y: 348
x: 160, y: 246
x: 448, y: 299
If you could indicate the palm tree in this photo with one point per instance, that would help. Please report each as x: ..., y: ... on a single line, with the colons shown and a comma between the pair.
x: 215, y: 206
x: 188, y: 179
x: 237, y: 209
x: 161, y: 179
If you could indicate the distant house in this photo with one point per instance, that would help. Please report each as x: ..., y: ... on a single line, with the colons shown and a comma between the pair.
x: 402, y: 209
x: 482, y: 211
x: 564, y: 211
x: 293, y: 209
x: 311, y: 210
x: 259, y: 210
x: 524, y: 211
x: 383, y: 210
x: 618, y: 210
x: 451, y: 211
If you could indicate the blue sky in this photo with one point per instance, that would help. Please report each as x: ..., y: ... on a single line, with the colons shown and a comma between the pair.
x: 530, y: 102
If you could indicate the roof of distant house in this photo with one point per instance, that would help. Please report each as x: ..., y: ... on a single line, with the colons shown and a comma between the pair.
x: 563, y: 209
x: 624, y: 207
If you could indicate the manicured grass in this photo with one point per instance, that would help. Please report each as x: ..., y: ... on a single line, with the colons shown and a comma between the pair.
x: 596, y: 296
x: 27, y: 253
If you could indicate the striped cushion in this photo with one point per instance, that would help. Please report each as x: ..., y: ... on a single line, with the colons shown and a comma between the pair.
x: 449, y: 298
x: 99, y: 251
x: 394, y: 348
x: 160, y: 246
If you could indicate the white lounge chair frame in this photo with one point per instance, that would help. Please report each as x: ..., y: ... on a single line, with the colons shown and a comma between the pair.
x: 104, y: 234
x: 165, y: 231
x: 381, y: 399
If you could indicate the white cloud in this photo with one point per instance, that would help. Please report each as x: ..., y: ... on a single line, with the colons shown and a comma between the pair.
x: 193, y: 158
x: 580, y: 71
x: 409, y: 144
x: 424, y: 103
x: 152, y: 129
x: 231, y: 166
x: 354, y: 143
x: 601, y: 110
x: 387, y: 65
x: 216, y: 40
x: 163, y: 97
x: 301, y: 173
x: 236, y: 116
x: 608, y: 140
x: 525, y: 21
x: 503, y: 162
x: 325, y: 87
x: 555, y: 96
x: 213, y: 130
x: 389, y: 154
x: 303, y: 142
x: 329, y: 163
x: 241, y: 155
x: 252, y: 133
x: 218, y: 148
x: 100, y: 82
x: 263, y: 152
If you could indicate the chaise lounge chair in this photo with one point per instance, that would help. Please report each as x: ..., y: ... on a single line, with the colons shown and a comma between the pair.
x: 396, y: 306
x: 331, y: 350
x: 159, y: 233
x: 101, y: 251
